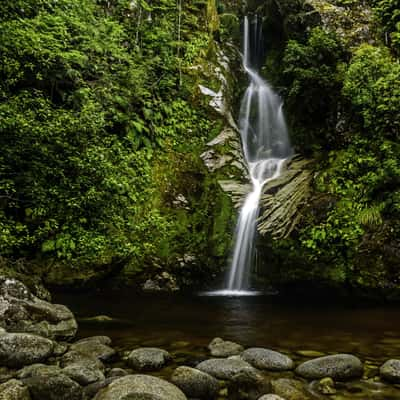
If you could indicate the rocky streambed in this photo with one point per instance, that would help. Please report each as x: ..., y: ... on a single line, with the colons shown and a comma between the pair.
x: 41, y: 358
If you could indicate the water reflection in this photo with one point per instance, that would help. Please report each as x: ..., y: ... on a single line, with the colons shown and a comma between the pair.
x: 370, y: 332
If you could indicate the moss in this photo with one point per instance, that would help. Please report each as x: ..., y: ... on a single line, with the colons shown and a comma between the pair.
x: 212, y: 16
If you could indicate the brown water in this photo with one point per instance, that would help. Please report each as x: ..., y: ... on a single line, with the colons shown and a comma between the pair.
x: 185, y: 325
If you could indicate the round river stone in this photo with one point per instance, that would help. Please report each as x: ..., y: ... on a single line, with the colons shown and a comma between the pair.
x: 267, y: 359
x: 338, y: 366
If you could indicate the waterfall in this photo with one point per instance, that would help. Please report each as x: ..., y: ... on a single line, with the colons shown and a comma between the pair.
x: 266, y: 145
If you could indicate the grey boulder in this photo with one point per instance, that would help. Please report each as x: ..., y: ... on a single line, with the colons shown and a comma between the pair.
x: 338, y: 366
x: 140, y: 387
x: 75, y: 357
x: 91, y: 390
x: 19, y: 349
x: 83, y: 374
x: 224, y: 348
x: 14, y: 390
x: 225, y: 368
x: 50, y: 383
x: 390, y: 371
x: 148, y: 358
x: 271, y: 397
x: 195, y: 383
x: 95, y: 349
x: 267, y: 359
x: 21, y: 311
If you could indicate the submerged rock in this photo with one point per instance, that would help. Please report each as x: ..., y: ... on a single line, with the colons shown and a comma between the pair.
x: 248, y: 385
x: 99, y: 319
x: 21, y: 311
x: 148, y: 358
x: 267, y: 359
x: 19, y: 349
x: 224, y: 348
x: 140, y: 387
x: 338, y: 366
x: 390, y: 371
x: 310, y: 353
x: 106, y: 340
x: 289, y: 389
x: 223, y: 368
x: 271, y: 397
x: 117, y: 372
x: 195, y: 383
x: 326, y: 386
x: 14, y: 390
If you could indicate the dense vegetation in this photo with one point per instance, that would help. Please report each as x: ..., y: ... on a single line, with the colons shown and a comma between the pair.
x: 102, y: 125
x: 101, y: 130
x: 344, y: 102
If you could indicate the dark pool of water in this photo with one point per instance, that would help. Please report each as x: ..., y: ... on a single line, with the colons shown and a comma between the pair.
x: 184, y: 325
x: 283, y: 324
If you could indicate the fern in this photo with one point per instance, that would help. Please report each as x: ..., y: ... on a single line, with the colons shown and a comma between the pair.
x: 371, y: 217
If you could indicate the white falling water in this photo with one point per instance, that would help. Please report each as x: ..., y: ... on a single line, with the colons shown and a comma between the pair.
x: 265, y: 144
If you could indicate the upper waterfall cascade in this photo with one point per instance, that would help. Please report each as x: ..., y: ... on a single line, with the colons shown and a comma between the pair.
x: 266, y: 146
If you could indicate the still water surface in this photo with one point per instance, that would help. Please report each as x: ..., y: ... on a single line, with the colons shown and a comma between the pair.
x: 370, y: 332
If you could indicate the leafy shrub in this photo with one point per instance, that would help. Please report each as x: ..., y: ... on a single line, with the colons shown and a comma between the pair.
x: 371, y: 85
x: 312, y: 74
x: 388, y: 12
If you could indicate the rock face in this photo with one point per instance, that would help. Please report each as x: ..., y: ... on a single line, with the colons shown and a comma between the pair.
x: 352, y: 24
x: 267, y: 359
x: 14, y: 390
x: 140, y: 387
x: 339, y: 366
x: 195, y: 383
x: 222, y: 368
x: 224, y: 348
x: 390, y: 371
x: 163, y: 282
x: 21, y: 311
x: 19, y: 349
x: 148, y: 358
x: 283, y: 198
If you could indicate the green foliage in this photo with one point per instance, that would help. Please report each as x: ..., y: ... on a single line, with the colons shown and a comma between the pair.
x: 312, y: 74
x: 371, y: 84
x: 333, y: 239
x: 343, y: 107
x: 92, y: 95
x: 361, y: 180
x: 388, y: 12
